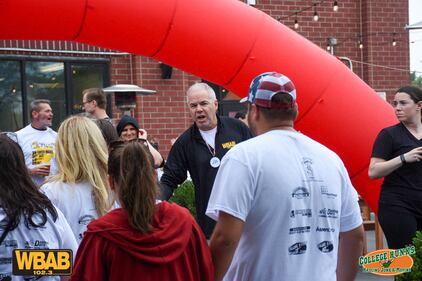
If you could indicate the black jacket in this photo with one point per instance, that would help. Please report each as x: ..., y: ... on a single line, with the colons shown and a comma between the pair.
x: 190, y: 153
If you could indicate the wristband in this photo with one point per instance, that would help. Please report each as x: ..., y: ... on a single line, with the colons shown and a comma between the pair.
x: 402, y: 159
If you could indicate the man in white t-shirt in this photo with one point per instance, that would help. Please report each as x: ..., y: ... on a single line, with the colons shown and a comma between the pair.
x: 37, y: 141
x: 284, y: 204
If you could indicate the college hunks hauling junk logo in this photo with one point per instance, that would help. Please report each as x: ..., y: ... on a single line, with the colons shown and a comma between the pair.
x: 388, y: 262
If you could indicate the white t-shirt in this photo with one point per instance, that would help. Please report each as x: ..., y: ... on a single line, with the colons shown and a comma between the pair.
x: 38, y: 148
x: 209, y: 136
x: 53, y: 235
x: 76, y: 201
x: 295, y: 197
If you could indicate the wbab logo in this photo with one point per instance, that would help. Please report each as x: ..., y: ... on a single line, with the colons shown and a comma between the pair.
x: 42, y: 262
x: 388, y: 262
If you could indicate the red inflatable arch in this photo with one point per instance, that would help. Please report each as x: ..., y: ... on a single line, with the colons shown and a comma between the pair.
x: 228, y: 43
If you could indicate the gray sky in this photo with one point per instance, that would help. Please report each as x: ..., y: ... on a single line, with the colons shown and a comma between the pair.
x: 415, y: 15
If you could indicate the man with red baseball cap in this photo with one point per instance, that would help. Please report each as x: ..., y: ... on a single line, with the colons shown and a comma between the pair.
x: 284, y: 204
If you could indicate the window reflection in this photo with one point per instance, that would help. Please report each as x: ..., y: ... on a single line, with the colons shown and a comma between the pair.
x: 45, y: 80
x: 11, y: 118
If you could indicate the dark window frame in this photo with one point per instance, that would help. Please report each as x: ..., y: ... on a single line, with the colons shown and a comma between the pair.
x: 68, y: 62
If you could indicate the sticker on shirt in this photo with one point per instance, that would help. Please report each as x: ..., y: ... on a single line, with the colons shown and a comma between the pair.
x: 325, y: 192
x: 328, y: 213
x: 325, y: 229
x: 228, y: 145
x: 300, y: 229
x: 301, y: 212
x: 298, y: 248
x: 42, y: 153
x: 300, y: 192
x: 325, y: 246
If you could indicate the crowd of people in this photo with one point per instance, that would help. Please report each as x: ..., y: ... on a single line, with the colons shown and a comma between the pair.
x: 269, y: 199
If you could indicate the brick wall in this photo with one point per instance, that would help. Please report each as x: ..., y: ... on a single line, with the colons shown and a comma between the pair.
x: 165, y: 115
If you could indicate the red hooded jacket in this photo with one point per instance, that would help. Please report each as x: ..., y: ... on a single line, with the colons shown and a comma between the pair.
x: 175, y: 250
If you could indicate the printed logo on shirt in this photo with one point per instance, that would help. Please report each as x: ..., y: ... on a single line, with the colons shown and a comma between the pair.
x: 325, y: 246
x: 302, y: 212
x: 300, y: 229
x: 42, y: 152
x: 5, y: 260
x: 326, y: 193
x: 228, y: 145
x: 37, y: 244
x: 297, y: 248
x: 86, y: 219
x: 42, y: 262
x: 328, y: 213
x: 300, y: 192
x: 10, y: 243
x: 5, y: 277
x: 325, y: 229
x: 309, y: 171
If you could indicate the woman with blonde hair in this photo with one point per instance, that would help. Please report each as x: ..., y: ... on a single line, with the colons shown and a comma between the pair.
x: 145, y: 239
x: 80, y: 188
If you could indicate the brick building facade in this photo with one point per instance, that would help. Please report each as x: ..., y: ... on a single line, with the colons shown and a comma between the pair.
x: 376, y: 23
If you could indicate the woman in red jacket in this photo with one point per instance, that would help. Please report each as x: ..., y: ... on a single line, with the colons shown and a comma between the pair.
x: 145, y: 239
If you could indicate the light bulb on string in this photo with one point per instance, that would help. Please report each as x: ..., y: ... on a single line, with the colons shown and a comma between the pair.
x: 316, y: 17
x: 335, y: 6
x: 394, y: 42
x: 296, y: 24
x: 360, y: 43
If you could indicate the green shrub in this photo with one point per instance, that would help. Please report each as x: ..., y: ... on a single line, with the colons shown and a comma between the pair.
x: 416, y: 273
x: 184, y: 196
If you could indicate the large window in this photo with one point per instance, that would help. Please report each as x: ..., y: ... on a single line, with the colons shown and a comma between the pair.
x: 10, y: 96
x: 60, y: 81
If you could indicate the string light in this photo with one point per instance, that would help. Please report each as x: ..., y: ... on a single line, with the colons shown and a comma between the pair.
x: 316, y: 17
x: 394, y: 42
x: 296, y: 23
x: 328, y: 47
x: 335, y: 6
x: 360, y: 43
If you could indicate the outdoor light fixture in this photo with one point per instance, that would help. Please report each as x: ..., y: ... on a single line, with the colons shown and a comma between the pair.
x: 331, y: 43
x: 125, y: 95
x: 335, y: 6
x: 316, y: 17
x: 296, y: 24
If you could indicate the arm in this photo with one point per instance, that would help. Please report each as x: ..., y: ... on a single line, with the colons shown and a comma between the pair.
x: 379, y: 168
x: 175, y: 171
x: 224, y: 242
x: 158, y: 159
x: 350, y: 248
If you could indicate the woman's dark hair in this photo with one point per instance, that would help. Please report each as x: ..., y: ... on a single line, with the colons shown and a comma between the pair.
x: 414, y: 92
x: 130, y: 167
x: 18, y: 194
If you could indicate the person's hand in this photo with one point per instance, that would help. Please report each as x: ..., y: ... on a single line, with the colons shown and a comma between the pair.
x: 415, y: 155
x: 142, y: 134
x: 40, y: 170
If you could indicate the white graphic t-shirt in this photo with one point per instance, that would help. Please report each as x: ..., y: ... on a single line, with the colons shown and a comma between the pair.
x: 295, y: 197
x: 38, y: 149
x: 53, y: 235
x: 76, y: 201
